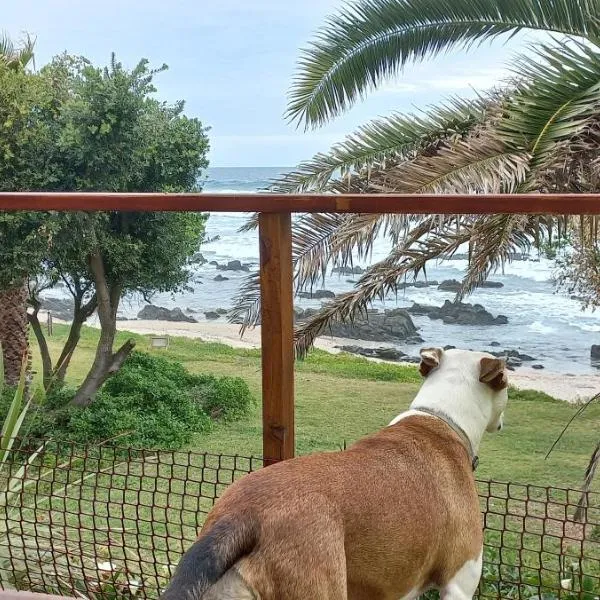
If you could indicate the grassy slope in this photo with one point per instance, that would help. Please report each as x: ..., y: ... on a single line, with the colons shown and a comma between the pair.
x: 341, y: 398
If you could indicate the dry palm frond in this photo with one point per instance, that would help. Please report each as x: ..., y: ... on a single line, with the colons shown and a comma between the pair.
x: 483, y: 164
x: 590, y: 472
x: 411, y: 257
x: 494, y: 238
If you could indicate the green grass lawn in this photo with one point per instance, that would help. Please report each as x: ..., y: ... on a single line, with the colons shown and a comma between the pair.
x: 141, y: 512
x: 341, y: 398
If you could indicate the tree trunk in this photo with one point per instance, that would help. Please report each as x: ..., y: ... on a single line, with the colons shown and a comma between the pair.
x: 41, y: 340
x: 80, y: 315
x: 105, y: 362
x: 13, y: 331
x: 104, y: 366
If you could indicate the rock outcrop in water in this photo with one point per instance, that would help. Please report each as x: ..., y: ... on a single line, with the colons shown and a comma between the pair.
x: 452, y: 285
x: 389, y: 326
x: 458, y: 313
x: 595, y: 355
x: 233, y: 265
x: 382, y: 353
x: 159, y: 313
x: 317, y: 295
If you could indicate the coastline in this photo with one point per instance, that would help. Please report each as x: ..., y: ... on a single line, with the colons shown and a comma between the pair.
x: 566, y: 386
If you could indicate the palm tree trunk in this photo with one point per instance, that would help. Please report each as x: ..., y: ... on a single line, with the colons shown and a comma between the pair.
x: 13, y: 330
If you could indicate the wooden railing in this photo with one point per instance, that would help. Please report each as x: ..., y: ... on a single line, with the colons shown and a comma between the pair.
x: 276, y: 270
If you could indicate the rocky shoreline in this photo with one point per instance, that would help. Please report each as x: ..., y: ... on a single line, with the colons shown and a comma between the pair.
x: 389, y: 328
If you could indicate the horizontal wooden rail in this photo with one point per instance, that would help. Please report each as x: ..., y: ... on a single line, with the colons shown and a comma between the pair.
x: 576, y: 204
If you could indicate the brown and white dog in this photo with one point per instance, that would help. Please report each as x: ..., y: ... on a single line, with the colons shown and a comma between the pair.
x: 395, y: 514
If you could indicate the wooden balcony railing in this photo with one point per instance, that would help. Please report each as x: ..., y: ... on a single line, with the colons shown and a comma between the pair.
x: 276, y: 271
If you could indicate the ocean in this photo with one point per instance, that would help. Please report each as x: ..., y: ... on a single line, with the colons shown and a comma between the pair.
x: 542, y: 323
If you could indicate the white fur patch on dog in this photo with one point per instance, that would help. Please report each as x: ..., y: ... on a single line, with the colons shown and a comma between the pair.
x: 464, y: 584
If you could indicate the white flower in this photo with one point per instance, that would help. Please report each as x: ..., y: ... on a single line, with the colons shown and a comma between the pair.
x: 105, y: 566
x: 566, y: 584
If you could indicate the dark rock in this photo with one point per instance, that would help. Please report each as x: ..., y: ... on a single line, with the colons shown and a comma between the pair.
x: 211, y: 315
x: 513, y: 362
x: 492, y: 284
x: 450, y: 285
x: 348, y: 270
x: 233, y: 265
x: 423, y: 284
x: 350, y: 280
x: 458, y: 313
x: 415, y: 360
x: 158, y: 313
x: 495, y: 344
x: 221, y: 311
x: 61, y: 308
x: 198, y: 258
x: 514, y: 354
x: 220, y: 277
x: 449, y: 347
x: 214, y: 263
x: 595, y: 354
x: 381, y: 353
x: 537, y: 367
x: 317, y: 294
x: 391, y: 326
x: 190, y: 311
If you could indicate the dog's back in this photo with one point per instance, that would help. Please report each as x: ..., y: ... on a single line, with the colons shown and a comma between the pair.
x: 392, y: 515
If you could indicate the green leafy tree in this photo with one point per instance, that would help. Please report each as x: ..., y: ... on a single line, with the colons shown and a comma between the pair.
x: 112, y: 135
x: 26, y: 112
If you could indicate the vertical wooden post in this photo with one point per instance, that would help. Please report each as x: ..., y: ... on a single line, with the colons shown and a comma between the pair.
x: 277, y: 336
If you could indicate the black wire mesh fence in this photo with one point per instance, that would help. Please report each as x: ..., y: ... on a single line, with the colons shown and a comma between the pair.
x: 104, y: 522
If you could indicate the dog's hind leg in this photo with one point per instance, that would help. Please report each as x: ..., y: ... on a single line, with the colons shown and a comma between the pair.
x: 464, y: 584
x: 231, y: 587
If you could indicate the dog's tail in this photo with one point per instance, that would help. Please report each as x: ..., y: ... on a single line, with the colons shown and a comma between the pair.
x: 211, y: 556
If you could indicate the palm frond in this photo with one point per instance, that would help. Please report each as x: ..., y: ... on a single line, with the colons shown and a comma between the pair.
x: 16, y: 56
x: 396, y: 137
x: 246, y: 304
x: 371, y: 40
x: 494, y: 238
x: 480, y: 164
x: 558, y: 99
x: 409, y: 258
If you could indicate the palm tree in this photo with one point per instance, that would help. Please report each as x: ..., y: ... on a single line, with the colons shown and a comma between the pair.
x: 539, y: 132
x: 13, y: 298
x: 16, y: 57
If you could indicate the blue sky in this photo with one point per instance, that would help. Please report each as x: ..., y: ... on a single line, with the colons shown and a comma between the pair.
x: 233, y: 60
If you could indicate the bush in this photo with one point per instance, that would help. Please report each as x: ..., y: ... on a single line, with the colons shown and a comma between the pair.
x: 152, y: 402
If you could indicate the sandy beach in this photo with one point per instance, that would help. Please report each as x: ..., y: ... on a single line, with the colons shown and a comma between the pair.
x: 565, y: 386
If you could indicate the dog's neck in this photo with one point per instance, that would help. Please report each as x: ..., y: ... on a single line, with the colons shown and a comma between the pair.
x: 460, y: 405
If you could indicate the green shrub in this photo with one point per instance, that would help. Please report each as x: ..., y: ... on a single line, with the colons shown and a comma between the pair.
x: 152, y: 402
x: 226, y: 398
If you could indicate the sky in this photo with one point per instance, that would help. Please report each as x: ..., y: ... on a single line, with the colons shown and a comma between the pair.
x: 232, y: 61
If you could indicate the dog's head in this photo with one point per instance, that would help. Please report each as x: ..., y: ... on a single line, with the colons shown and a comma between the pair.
x: 480, y: 372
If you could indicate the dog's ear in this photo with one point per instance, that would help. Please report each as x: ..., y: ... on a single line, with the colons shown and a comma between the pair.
x: 430, y: 359
x: 493, y: 372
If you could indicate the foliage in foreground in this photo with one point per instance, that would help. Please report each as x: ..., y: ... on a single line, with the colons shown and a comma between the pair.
x: 152, y: 402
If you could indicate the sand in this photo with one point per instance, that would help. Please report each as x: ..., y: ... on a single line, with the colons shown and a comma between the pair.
x: 565, y: 386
